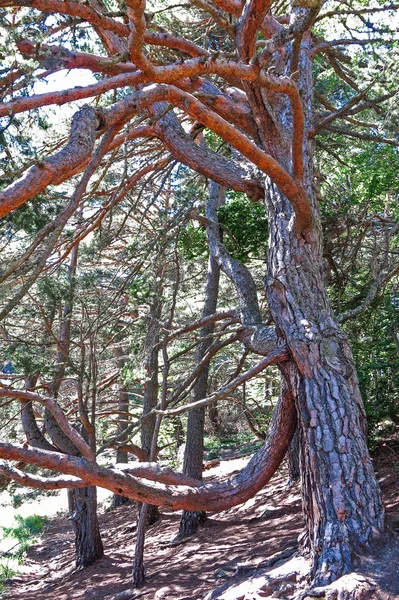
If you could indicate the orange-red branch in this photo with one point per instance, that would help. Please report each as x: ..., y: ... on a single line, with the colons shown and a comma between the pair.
x: 78, y: 150
x: 291, y: 186
x: 82, y: 11
x: 135, y: 12
x: 71, y: 94
x: 248, y: 26
x: 234, y: 7
x: 176, y: 74
x: 58, y: 414
x: 287, y: 184
x: 214, y: 496
x: 61, y: 58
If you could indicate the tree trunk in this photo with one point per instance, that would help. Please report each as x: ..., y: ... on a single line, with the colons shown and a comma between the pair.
x: 194, y: 451
x: 138, y: 572
x: 82, y: 502
x: 213, y: 414
x: 341, y: 498
x: 193, y: 460
x: 151, y: 384
x: 148, y: 514
x: 122, y: 456
x: 293, y: 455
x: 83, y: 515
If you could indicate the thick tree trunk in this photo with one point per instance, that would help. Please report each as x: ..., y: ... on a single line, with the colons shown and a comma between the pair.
x: 83, y: 515
x: 341, y: 498
x: 193, y: 459
x: 293, y: 456
x: 82, y: 502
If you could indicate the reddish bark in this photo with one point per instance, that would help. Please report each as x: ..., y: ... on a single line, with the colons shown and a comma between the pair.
x: 209, y: 497
x: 267, y: 122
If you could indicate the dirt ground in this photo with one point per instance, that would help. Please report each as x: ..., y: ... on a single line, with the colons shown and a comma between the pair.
x: 240, y: 537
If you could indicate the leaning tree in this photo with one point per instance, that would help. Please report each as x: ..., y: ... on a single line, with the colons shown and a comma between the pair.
x: 264, y: 81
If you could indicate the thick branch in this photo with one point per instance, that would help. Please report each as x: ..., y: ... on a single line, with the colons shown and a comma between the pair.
x: 248, y: 26
x: 214, y: 496
x: 77, y: 150
x: 287, y: 185
x: 58, y: 414
x: 228, y: 172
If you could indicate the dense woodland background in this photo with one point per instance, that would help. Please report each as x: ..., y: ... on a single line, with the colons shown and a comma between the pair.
x: 114, y: 301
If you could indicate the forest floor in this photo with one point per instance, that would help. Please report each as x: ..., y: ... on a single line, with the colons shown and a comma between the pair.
x: 219, y: 557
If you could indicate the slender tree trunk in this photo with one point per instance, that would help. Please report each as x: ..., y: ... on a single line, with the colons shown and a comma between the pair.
x: 213, y: 414
x: 194, y: 451
x: 151, y: 385
x: 148, y: 513
x: 122, y: 456
x: 82, y: 502
x: 138, y: 573
x: 83, y: 515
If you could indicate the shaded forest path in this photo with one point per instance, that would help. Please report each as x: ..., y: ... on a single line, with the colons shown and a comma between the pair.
x: 222, y: 551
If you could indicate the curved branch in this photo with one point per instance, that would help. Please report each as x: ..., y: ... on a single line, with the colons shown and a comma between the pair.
x: 228, y: 172
x: 135, y: 13
x: 78, y: 149
x: 291, y: 188
x: 248, y: 26
x: 280, y: 354
x: 233, y: 268
x: 73, y: 9
x: 58, y: 414
x: 214, y: 496
x: 71, y: 94
x: 36, y: 481
x: 33, y: 434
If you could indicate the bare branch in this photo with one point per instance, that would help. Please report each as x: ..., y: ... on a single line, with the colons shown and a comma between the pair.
x: 58, y: 414
x: 36, y: 481
x: 248, y: 26
x: 213, y: 496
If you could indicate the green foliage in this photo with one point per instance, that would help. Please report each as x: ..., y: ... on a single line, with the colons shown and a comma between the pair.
x: 25, y: 533
x: 140, y: 289
x: 26, y: 529
x: 30, y: 217
x: 244, y: 227
x: 372, y: 336
x: 6, y: 572
x: 245, y: 230
x: 20, y: 495
x: 192, y: 242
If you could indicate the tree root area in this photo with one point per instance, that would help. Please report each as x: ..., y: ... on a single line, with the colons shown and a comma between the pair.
x: 246, y: 553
